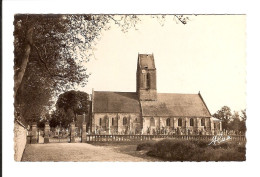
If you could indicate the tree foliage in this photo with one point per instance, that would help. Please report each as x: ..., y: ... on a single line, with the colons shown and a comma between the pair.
x: 235, y: 121
x: 223, y: 114
x: 73, y: 103
x: 58, y: 118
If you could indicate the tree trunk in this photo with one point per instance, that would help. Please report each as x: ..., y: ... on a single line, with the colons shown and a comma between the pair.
x: 19, y: 73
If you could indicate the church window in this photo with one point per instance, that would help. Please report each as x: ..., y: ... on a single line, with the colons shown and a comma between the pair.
x: 100, y: 122
x: 191, y: 122
x: 124, y: 121
x: 179, y: 122
x: 113, y: 122
x: 152, y: 122
x: 202, y: 122
x: 168, y: 122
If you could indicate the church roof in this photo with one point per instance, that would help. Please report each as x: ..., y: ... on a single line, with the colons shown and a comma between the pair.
x: 172, y: 104
x: 146, y: 61
x: 167, y: 104
x: 115, y: 102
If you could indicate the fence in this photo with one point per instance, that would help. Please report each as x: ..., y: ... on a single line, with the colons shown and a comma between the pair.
x: 105, y: 138
x: 64, y: 140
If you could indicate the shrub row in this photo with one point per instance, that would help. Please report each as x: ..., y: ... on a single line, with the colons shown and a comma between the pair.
x: 194, y: 150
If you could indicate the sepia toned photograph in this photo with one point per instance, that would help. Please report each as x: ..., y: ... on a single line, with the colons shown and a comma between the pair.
x: 129, y: 88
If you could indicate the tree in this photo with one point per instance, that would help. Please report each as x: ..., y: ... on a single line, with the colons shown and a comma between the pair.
x: 73, y: 103
x: 234, y: 123
x: 243, y: 116
x: 223, y: 114
x: 59, y: 118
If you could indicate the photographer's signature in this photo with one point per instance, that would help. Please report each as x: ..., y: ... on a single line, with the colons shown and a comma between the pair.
x: 217, y: 139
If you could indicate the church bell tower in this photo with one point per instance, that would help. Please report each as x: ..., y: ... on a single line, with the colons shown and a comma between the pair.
x: 146, y: 78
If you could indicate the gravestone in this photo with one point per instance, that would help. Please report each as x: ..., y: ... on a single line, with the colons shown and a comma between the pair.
x: 34, y: 133
x: 46, y: 132
x: 72, y: 132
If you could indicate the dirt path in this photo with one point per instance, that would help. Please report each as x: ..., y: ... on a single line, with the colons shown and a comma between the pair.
x: 74, y: 152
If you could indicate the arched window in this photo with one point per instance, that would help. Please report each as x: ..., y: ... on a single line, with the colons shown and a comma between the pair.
x: 202, y: 122
x: 113, y: 122
x: 168, y: 122
x: 179, y: 122
x: 191, y: 122
x: 215, y: 125
x: 152, y: 122
x: 124, y: 121
x: 100, y: 122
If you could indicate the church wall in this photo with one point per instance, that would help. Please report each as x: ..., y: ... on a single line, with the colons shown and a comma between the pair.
x: 160, y: 122
x: 132, y: 123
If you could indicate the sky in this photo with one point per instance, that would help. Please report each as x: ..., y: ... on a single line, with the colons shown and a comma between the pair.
x: 208, y: 54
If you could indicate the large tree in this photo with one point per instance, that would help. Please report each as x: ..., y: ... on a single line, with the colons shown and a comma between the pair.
x: 73, y: 103
x: 225, y: 115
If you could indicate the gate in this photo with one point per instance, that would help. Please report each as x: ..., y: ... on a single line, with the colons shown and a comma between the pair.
x: 69, y: 136
x: 59, y: 137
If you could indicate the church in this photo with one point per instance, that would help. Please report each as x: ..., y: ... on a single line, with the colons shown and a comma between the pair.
x: 148, y: 112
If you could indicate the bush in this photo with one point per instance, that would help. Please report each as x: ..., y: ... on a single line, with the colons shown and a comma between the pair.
x: 194, y: 150
x: 145, y: 146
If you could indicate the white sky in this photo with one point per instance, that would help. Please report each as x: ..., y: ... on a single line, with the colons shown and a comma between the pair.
x: 206, y: 55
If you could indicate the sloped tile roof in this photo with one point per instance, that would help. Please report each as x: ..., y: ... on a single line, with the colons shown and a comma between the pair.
x: 167, y: 104
x: 116, y: 102
x: 172, y: 104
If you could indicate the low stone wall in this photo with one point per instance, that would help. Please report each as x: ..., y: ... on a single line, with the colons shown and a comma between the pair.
x: 20, y: 137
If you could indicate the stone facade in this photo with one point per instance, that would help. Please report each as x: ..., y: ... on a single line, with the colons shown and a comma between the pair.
x: 116, y: 123
x: 184, y: 125
x: 20, y: 138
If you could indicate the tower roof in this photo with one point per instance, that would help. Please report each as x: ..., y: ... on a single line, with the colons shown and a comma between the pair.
x: 146, y: 61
